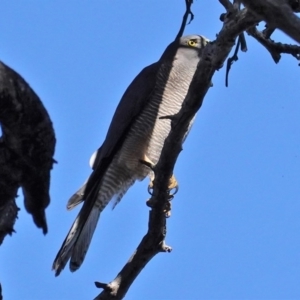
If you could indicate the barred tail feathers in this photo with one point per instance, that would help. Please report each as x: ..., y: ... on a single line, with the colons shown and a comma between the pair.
x: 77, y: 241
x: 84, y: 239
x: 99, y: 191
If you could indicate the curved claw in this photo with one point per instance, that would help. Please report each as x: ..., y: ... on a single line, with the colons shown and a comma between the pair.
x: 168, y: 214
x: 149, y: 203
x: 167, y: 210
x: 170, y: 198
x: 175, y: 191
x: 173, y: 185
x: 150, y: 188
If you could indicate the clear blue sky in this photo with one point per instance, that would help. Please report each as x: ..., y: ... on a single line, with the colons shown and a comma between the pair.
x: 235, y: 226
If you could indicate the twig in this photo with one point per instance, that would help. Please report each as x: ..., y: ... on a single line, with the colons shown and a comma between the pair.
x: 237, y: 4
x: 232, y: 10
x: 243, y: 43
x: 227, y: 5
x: 188, y: 12
x: 268, y: 31
x: 230, y: 61
x: 274, y: 48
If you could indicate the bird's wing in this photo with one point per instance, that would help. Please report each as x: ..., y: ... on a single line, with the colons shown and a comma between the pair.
x: 132, y: 103
x: 130, y: 106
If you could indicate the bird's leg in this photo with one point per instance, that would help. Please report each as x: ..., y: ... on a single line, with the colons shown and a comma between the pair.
x: 147, y: 162
x: 173, y: 185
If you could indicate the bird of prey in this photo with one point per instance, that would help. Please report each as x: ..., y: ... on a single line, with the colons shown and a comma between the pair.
x: 136, y: 135
x: 26, y: 151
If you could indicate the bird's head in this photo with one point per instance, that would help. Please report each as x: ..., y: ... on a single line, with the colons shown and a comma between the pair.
x: 188, y: 47
x: 191, y: 46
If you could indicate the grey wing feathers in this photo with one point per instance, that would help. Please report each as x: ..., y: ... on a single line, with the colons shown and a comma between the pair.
x: 131, y: 104
x: 77, y: 242
x: 78, y: 239
x: 84, y: 240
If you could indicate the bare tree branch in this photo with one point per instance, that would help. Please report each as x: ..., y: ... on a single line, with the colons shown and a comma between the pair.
x: 268, y: 31
x: 236, y: 21
x: 278, y: 14
x: 295, y: 5
x: 274, y: 48
x: 153, y: 242
x: 26, y: 150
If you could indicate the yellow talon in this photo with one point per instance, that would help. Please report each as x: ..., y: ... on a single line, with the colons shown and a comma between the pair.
x: 173, y: 184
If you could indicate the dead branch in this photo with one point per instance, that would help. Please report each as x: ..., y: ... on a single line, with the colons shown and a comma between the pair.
x: 232, y: 10
x: 278, y: 14
x: 188, y: 12
x: 26, y: 150
x: 153, y: 242
x: 275, y: 49
x: 213, y: 59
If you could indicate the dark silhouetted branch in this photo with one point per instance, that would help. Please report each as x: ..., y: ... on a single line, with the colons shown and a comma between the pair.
x: 275, y: 49
x: 232, y: 10
x: 26, y: 151
x: 278, y: 14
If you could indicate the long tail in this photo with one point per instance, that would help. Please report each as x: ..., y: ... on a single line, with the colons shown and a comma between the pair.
x: 95, y: 195
x: 77, y: 242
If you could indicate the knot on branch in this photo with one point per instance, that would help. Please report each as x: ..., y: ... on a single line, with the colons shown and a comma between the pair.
x: 104, y: 286
x: 164, y: 247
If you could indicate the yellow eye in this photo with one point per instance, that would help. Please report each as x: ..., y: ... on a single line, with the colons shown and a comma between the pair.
x: 192, y: 43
